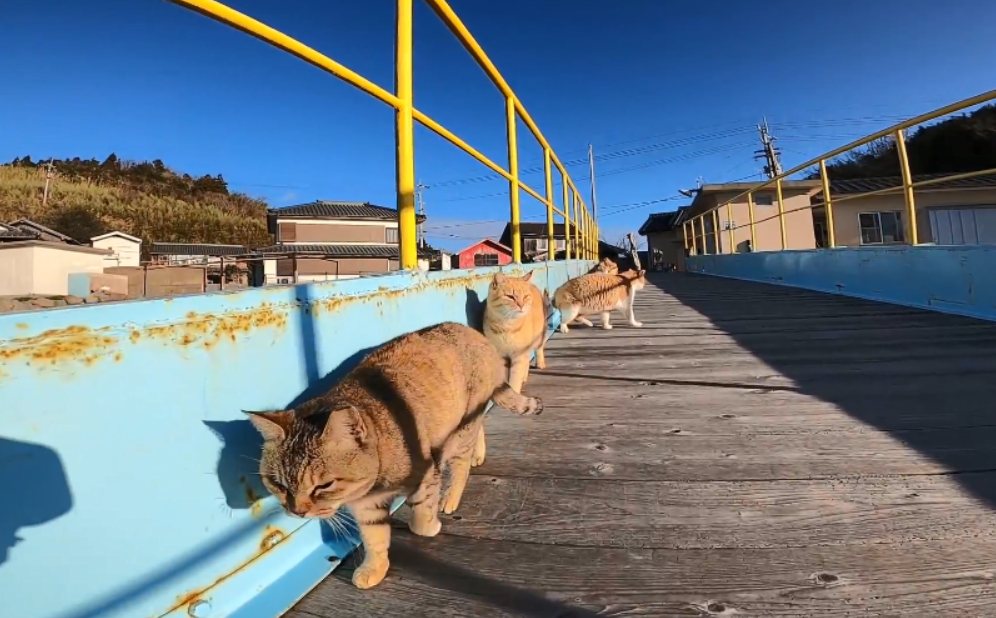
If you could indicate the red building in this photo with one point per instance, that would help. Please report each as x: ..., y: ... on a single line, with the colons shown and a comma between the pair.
x: 484, y: 253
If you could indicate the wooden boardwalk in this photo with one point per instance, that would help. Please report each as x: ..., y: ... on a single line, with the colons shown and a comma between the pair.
x: 751, y: 451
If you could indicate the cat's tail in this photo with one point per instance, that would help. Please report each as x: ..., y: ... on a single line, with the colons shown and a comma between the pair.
x: 506, y: 397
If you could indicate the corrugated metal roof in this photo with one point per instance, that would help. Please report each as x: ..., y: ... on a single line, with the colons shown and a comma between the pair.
x: 663, y: 221
x: 865, y: 185
x: 328, y: 209
x: 390, y: 252
x: 182, y: 248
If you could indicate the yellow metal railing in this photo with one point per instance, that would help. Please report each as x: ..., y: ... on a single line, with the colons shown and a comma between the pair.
x: 697, y: 238
x: 581, y: 229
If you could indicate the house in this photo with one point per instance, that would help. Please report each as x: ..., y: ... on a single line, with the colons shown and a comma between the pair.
x: 665, y: 239
x: 485, y: 252
x: 33, y: 266
x: 332, y: 240
x: 26, y: 229
x: 534, y: 239
x: 954, y: 212
x: 192, y: 253
x: 126, y: 250
x: 799, y: 220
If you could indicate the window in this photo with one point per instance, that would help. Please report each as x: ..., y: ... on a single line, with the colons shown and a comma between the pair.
x: 881, y: 227
x: 529, y: 245
x: 485, y: 259
x: 541, y: 244
x: 764, y: 199
x: 392, y: 235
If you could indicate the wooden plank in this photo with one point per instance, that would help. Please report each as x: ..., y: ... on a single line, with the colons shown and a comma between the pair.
x: 459, y: 577
x: 723, y: 515
x: 634, y: 451
x: 752, y: 450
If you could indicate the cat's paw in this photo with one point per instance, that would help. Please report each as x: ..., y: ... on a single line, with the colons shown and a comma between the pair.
x: 477, y: 458
x: 370, y: 573
x: 586, y: 322
x: 534, y: 406
x: 425, y: 528
x: 563, y: 327
x: 635, y: 324
x: 450, y: 504
x: 607, y: 326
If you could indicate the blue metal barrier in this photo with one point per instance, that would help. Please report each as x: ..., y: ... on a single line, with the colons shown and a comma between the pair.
x: 952, y: 279
x: 128, y: 468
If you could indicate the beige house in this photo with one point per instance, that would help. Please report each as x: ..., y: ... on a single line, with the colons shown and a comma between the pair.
x: 44, y: 267
x: 958, y: 212
x: 730, y: 231
x: 665, y: 242
x: 328, y: 240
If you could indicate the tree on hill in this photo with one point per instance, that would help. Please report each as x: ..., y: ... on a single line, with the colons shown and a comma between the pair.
x: 963, y: 143
x: 145, y: 199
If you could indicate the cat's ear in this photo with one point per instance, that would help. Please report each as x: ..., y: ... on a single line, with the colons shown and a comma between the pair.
x: 529, y: 276
x: 499, y: 279
x: 346, y: 421
x: 274, y: 426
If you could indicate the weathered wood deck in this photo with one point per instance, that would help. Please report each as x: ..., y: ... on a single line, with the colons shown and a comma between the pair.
x: 751, y: 451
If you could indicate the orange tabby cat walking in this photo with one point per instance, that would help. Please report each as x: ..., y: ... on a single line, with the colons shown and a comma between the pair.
x: 515, y: 322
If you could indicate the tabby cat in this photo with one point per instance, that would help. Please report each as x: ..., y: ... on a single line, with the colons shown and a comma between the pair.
x: 606, y: 266
x: 599, y: 293
x: 515, y: 322
x: 388, y: 428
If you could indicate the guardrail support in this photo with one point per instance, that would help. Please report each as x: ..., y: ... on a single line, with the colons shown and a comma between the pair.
x: 705, y: 239
x: 827, y: 205
x: 715, y: 232
x: 551, y: 244
x: 567, y: 219
x: 404, y: 129
x: 729, y: 228
x: 513, y: 183
x: 750, y: 215
x: 781, y: 212
x: 904, y: 166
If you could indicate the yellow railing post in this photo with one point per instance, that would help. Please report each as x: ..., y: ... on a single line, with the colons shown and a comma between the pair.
x: 684, y: 234
x: 904, y: 166
x: 750, y: 215
x: 729, y: 223
x: 404, y: 130
x: 551, y: 245
x: 715, y: 231
x: 827, y: 206
x: 567, y: 219
x: 577, y: 228
x: 705, y: 239
x: 781, y: 213
x: 513, y: 182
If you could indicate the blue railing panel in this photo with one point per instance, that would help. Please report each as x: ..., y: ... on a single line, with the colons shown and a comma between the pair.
x: 128, y: 465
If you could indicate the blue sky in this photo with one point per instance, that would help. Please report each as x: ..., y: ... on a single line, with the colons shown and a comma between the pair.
x: 666, y: 90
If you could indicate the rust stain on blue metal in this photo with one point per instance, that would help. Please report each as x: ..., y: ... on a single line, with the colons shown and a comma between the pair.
x: 74, y: 344
x: 208, y: 329
x: 272, y: 535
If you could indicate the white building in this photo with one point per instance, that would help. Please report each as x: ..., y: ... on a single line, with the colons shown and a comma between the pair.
x: 126, y: 250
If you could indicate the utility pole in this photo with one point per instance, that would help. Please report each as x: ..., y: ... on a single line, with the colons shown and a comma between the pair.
x: 49, y: 174
x: 591, y: 172
x: 768, y: 151
x: 420, y: 206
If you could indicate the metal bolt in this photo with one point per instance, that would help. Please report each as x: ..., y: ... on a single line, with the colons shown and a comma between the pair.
x: 199, y: 609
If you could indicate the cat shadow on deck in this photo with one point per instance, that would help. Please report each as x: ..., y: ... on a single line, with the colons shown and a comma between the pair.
x: 238, y: 461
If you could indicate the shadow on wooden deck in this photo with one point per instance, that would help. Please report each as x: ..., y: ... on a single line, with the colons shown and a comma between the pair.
x: 751, y: 451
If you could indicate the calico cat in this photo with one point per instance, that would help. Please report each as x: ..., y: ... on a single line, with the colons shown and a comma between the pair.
x: 599, y: 293
x: 388, y: 428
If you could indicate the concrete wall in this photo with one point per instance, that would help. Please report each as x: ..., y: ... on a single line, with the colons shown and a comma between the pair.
x: 960, y: 280
x: 132, y: 462
x: 35, y: 267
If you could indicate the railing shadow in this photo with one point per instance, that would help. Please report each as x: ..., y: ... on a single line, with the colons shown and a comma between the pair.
x: 36, y: 487
x: 933, y: 393
x: 407, y: 557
